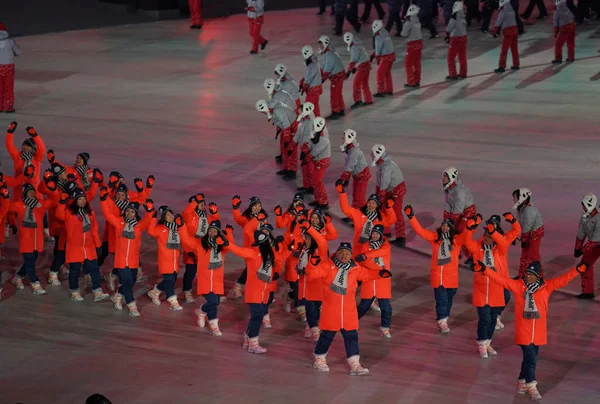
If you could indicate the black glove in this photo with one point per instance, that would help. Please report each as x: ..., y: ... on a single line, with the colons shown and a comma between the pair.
x: 224, y: 241
x: 229, y: 228
x: 578, y: 253
x: 179, y: 221
x: 478, y: 267
x: 139, y: 184
x: 277, y: 133
x: 384, y: 273
x: 409, y: 212
x: 276, y: 276
x: 279, y: 239
x: 236, y: 202
x: 103, y: 193
x: 98, y: 251
x: 360, y: 258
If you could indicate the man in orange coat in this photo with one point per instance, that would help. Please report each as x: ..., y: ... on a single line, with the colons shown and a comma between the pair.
x: 532, y: 293
x: 340, y: 275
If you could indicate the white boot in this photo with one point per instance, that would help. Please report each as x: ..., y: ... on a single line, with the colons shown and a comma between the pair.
x: 37, y: 289
x: 316, y: 333
x: 154, y: 294
x: 499, y: 324
x: 307, y: 332
x: 443, y: 326
x: 320, y: 363
x: 76, y: 296
x: 88, y: 281
x: 301, y: 313
x: 174, y: 303
x: 213, y: 327
x: 287, y: 302
x: 245, y: 343
x: 222, y: 299
x: 99, y: 295
x: 237, y: 291
x: 491, y: 351
x: 187, y: 295
x: 375, y: 307
x: 254, y: 347
x: 521, y: 387
x: 53, y: 279
x: 111, y: 280
x: 18, y: 282
x: 133, y: 310
x: 201, y: 320
x: 355, y: 368
x: 267, y: 321
x: 117, y: 300
x: 385, y: 332
x: 47, y: 236
x: 482, y: 347
x: 140, y: 275
x: 532, y: 391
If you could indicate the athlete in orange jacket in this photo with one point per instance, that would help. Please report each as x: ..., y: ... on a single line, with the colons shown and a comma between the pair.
x: 197, y: 222
x: 83, y: 173
x: 83, y: 242
x: 531, y: 310
x: 32, y: 152
x: 365, y: 218
x: 129, y: 228
x: 171, y: 235
x: 377, y: 254
x: 30, y: 218
x: 489, y: 297
x: 279, y: 242
x: 340, y: 276
x: 445, y: 249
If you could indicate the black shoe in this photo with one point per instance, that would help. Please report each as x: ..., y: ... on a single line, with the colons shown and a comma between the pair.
x: 314, y: 203
x: 291, y: 175
x: 541, y: 17
x: 500, y: 70
x: 388, y: 93
x: 10, y: 111
x: 411, y: 86
x: 333, y: 116
x: 434, y: 36
x: 525, y: 17
x: 310, y: 191
x: 278, y: 159
x: 400, y: 241
x: 356, y: 104
x: 379, y: 95
x: 568, y: 60
x: 253, y: 52
x: 451, y: 77
x: 264, y: 45
x: 282, y: 172
x: 462, y: 77
x: 341, y: 113
x: 514, y: 68
x: 357, y: 29
x: 367, y: 103
x: 586, y: 296
x: 485, y: 31
x: 194, y: 26
x: 556, y: 61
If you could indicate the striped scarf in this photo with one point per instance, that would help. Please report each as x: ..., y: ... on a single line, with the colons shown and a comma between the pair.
x: 173, y: 241
x: 216, y: 258
x: 365, y: 234
x: 121, y: 204
x: 202, y: 227
x: 85, y: 218
x: 376, y: 245
x: 531, y: 311
x: 302, y: 261
x: 62, y: 185
x: 82, y: 171
x: 340, y: 282
x: 265, y: 272
x: 29, y: 221
x: 128, y: 231
x: 488, y: 256
x: 28, y: 156
x: 444, y: 256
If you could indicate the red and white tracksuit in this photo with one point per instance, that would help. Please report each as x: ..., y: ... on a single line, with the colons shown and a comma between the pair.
x: 196, y: 12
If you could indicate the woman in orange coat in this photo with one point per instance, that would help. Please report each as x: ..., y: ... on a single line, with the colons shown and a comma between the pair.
x: 488, y: 296
x: 278, y: 243
x: 445, y: 249
x: 32, y: 153
x: 83, y: 242
x: 323, y: 224
x: 285, y: 219
x: 129, y: 227
x: 210, y: 253
x: 261, y: 260
x: 170, y: 235
x: 30, y: 218
x: 197, y: 223
x: 377, y: 254
x: 84, y: 175
x: 366, y: 217
x: 340, y: 275
x: 531, y: 294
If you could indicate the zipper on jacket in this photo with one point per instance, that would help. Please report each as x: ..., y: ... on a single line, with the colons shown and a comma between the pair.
x: 127, y: 256
x: 84, y: 252
x: 342, y: 325
x: 442, y: 275
x: 211, y: 280
x: 487, y: 289
x: 533, y: 331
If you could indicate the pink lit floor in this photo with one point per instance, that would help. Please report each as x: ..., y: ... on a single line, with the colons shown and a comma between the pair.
x: 157, y: 98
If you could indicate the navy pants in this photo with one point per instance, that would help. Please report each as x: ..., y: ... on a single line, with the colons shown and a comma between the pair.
x: 28, y: 267
x: 257, y: 312
x: 506, y: 300
x: 89, y: 266
x: 58, y: 260
x: 127, y: 278
x: 384, y: 305
x: 313, y: 312
x: 167, y: 285
x: 242, y: 279
x: 530, y: 353
x: 211, y: 305
x: 326, y: 338
x: 188, y: 277
x: 293, y: 294
x: 487, y: 321
x: 271, y: 297
x: 444, y: 298
x: 104, y: 253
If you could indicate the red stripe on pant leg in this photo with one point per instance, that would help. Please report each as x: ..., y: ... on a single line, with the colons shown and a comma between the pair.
x: 319, y: 173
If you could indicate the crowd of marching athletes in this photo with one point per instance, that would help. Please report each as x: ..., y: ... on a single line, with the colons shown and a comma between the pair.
x: 322, y: 286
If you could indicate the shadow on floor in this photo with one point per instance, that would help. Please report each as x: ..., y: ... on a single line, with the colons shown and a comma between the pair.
x: 541, y: 75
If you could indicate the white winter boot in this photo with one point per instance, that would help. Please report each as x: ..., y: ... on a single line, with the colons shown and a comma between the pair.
x: 133, y: 310
x: 88, y: 281
x: 320, y: 363
x: 443, y: 326
x: 174, y: 303
x: 307, y: 331
x: 140, y: 275
x: 99, y: 295
x: 201, y: 318
x: 254, y: 347
x: 482, y: 347
x: 522, y: 387
x: 213, y: 327
x: 375, y: 307
x: 301, y: 313
x: 18, y: 282
x: 76, y: 296
x: 499, y: 324
x: 37, y: 289
x: 117, y: 300
x: 111, y: 280
x: 316, y: 333
x: 189, y: 298
x: 532, y: 391
x: 53, y: 279
x: 154, y: 294
x: 355, y: 368
x: 287, y: 302
x: 245, y: 343
x: 490, y: 350
x: 237, y: 291
x: 385, y: 332
x: 267, y: 321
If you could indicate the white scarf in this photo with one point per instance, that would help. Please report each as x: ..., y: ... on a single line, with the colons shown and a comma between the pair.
x: 488, y: 256
x: 340, y: 282
x: 128, y: 230
x: 302, y: 262
x: 173, y: 241
x: 216, y: 258
x: 29, y: 221
x: 202, y: 227
x: 444, y: 250
x: 365, y: 234
x: 376, y: 245
x: 87, y: 223
x: 265, y: 272
x: 531, y: 311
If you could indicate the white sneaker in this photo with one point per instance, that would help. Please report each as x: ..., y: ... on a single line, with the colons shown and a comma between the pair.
x: 222, y: 299
x: 522, y: 387
x: 491, y: 351
x: 213, y: 327
x: 499, y: 324
x: 174, y: 303
x: 245, y: 343
x: 320, y: 363
x: 111, y: 280
x: 301, y: 313
x: 287, y: 302
x: 154, y: 294
x: 385, y: 332
x: 237, y: 291
x: 375, y: 307
x: 117, y: 300
x: 532, y: 391
x: 37, y: 289
x: 88, y: 281
x: 201, y: 320
x: 18, y: 282
x: 316, y: 333
x: 188, y: 297
x: 133, y: 310
x: 355, y: 368
x: 443, y: 326
x: 254, y: 346
x: 53, y: 279
x: 99, y: 295
x: 76, y: 296
x: 267, y: 321
x: 307, y: 332
x: 482, y: 348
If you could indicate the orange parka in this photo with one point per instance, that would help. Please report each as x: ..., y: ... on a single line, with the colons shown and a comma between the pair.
x: 31, y: 239
x: 81, y: 245
x: 19, y: 163
x: 531, y: 330
x: 191, y: 223
x: 486, y: 292
x: 377, y: 259
x: 127, y: 250
x: 168, y: 259
x: 312, y: 289
x: 388, y: 217
x: 110, y: 234
x: 441, y: 275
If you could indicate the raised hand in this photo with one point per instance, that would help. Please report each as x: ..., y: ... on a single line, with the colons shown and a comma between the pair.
x: 139, y: 184
x: 12, y: 127
x: 236, y: 202
x: 149, y: 205
x: 509, y: 217
x: 212, y: 208
x: 150, y: 181
x: 103, y: 193
x: 409, y: 212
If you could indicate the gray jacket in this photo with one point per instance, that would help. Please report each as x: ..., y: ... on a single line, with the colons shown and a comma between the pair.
x: 389, y: 175
x: 304, y: 131
x: 8, y: 49
x: 289, y: 85
x: 563, y: 16
x: 457, y: 26
x: 358, y: 53
x: 458, y: 199
x: 506, y: 17
x: 259, y: 8
x: 589, y: 227
x: 355, y: 161
x: 383, y: 43
x: 283, y: 116
x: 284, y: 98
x: 312, y: 77
x: 332, y: 63
x: 411, y: 30
x: 530, y: 218
x: 322, y: 149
